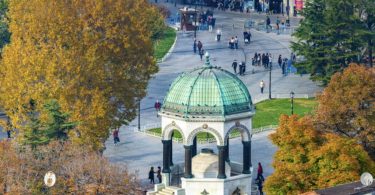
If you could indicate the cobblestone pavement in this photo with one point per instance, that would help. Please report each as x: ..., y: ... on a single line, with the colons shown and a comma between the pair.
x: 139, y: 151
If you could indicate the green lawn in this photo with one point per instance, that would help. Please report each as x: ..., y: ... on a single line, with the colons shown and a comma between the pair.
x: 268, y: 113
x: 162, y: 46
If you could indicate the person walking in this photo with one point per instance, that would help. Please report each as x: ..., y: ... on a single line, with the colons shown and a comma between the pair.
x: 259, y: 183
x: 231, y: 43
x: 245, y: 36
x: 235, y: 42
x: 270, y: 60
x: 283, y: 66
x: 199, y: 45
x: 195, y: 46
x: 158, y: 174
x: 116, y: 138
x: 240, y: 69
x: 234, y: 65
x: 157, y: 107
x: 151, y: 175
x: 9, y: 128
x: 259, y: 59
x: 201, y: 53
x: 261, y: 85
x: 268, y: 23
x: 218, y: 34
x: 249, y: 37
x: 260, y: 172
x: 243, y: 68
x: 278, y: 29
x: 279, y: 61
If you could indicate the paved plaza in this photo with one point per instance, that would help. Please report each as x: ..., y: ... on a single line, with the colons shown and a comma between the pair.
x: 139, y: 151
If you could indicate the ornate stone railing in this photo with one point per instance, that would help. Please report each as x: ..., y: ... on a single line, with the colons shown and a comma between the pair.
x: 235, y: 134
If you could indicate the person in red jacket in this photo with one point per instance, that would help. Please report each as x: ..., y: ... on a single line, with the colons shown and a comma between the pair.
x: 157, y: 107
x: 260, y: 172
x: 116, y: 138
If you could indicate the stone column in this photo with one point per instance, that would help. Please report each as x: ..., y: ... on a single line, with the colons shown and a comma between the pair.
x: 246, y: 157
x: 166, y: 153
x: 188, y: 159
x: 221, y: 151
x: 171, y: 151
x: 194, y: 149
x: 227, y: 151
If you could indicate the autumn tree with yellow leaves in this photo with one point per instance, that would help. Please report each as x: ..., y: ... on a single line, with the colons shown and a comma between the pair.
x: 347, y: 106
x: 93, y: 57
x: 308, y: 159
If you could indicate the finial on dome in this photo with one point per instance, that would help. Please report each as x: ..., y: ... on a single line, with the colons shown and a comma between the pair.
x: 207, y: 59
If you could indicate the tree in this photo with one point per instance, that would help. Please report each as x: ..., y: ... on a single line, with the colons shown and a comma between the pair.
x: 331, y: 36
x: 347, y: 106
x: 57, y: 125
x: 4, y: 32
x: 296, y: 139
x: 33, y: 135
x: 308, y: 159
x: 78, y: 171
x: 94, y: 57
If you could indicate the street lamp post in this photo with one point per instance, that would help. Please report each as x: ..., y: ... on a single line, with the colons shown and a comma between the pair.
x: 139, y: 114
x: 196, y: 16
x: 287, y: 12
x: 292, y: 98
x: 269, y: 86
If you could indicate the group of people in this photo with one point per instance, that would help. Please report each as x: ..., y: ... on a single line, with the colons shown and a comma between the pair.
x: 241, y: 67
x: 247, y: 37
x: 151, y: 175
x: 232, y: 5
x: 264, y: 59
x: 233, y: 42
x: 198, y: 45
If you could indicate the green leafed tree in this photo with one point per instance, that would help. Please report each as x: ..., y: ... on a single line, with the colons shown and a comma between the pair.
x: 57, y: 124
x: 332, y: 35
x: 33, y: 135
x: 43, y: 127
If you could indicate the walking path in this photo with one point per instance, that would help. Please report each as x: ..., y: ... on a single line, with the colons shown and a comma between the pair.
x: 138, y: 151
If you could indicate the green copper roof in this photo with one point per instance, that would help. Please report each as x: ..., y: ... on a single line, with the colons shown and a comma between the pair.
x: 207, y: 91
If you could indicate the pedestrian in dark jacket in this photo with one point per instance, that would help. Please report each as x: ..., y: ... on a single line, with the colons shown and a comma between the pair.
x: 201, y: 53
x: 158, y: 174
x: 200, y: 45
x: 279, y: 61
x: 195, y: 46
x: 116, y: 137
x: 151, y: 175
x: 234, y: 65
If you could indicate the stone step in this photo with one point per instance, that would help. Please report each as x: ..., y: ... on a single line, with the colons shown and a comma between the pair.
x: 167, y: 191
x: 164, y: 193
